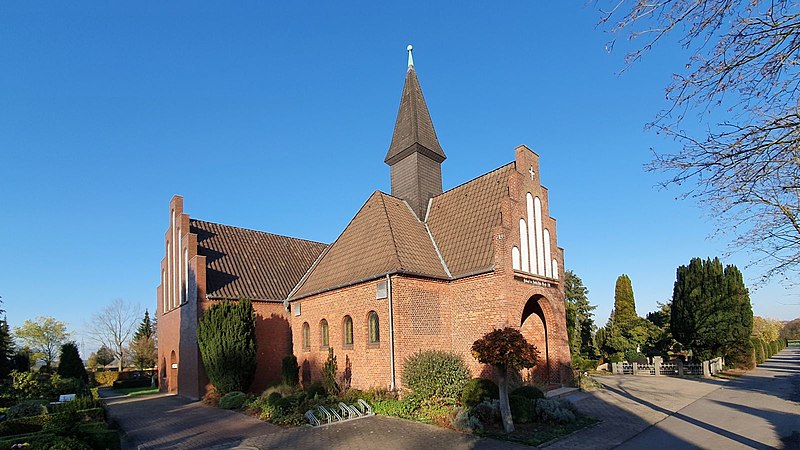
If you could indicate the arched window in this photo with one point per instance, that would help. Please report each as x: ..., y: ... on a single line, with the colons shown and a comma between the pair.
x: 515, y: 258
x: 374, y: 328
x: 323, y: 330
x: 306, y: 335
x: 348, y: 330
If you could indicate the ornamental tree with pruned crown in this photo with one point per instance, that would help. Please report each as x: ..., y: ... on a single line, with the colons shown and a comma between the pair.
x: 505, y: 349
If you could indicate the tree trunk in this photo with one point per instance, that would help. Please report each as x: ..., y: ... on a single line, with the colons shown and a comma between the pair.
x: 505, y: 409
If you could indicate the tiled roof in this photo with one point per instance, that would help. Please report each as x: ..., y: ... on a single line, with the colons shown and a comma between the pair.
x: 242, y: 263
x: 414, y: 125
x: 385, y: 236
x: 461, y: 221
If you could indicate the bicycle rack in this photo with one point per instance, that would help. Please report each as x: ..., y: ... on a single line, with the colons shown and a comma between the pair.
x: 330, y: 415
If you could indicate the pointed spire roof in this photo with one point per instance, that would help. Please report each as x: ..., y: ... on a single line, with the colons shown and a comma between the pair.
x: 413, y: 130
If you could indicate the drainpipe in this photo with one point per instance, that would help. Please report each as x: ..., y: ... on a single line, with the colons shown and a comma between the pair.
x: 391, y: 331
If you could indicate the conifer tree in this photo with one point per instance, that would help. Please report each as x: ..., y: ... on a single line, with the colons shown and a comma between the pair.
x: 226, y: 335
x: 70, y: 364
x: 624, y: 303
x: 145, y: 329
x: 711, y: 312
x: 6, y: 349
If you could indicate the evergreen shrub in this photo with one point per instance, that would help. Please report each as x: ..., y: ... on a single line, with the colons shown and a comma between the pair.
x: 523, y: 409
x: 741, y: 355
x: 290, y: 371
x: 758, y: 349
x: 226, y: 335
x: 232, y: 400
x: 434, y: 373
x: 478, y: 389
x: 530, y: 392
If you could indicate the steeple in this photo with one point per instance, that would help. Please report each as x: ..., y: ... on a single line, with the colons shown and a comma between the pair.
x: 415, y: 156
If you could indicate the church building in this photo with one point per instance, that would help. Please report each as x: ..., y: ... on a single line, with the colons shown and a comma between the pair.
x: 417, y: 269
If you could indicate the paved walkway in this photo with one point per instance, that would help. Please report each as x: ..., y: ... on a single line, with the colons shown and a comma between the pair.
x: 757, y: 410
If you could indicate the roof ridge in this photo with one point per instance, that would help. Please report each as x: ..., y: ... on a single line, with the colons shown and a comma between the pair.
x: 194, y: 219
x: 474, y: 179
x: 391, y: 231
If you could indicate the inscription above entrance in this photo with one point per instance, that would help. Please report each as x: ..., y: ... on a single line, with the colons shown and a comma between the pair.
x: 535, y: 282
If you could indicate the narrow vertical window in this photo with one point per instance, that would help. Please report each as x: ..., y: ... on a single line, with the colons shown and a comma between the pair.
x: 523, y: 243
x: 515, y: 258
x: 306, y: 336
x: 374, y: 328
x: 540, y: 241
x: 547, y: 252
x: 164, y: 290
x: 531, y: 231
x: 348, y: 330
x: 323, y: 331
x: 555, y: 269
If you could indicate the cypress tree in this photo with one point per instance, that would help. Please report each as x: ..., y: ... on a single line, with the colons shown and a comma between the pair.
x: 70, y: 364
x: 624, y: 303
x: 226, y: 335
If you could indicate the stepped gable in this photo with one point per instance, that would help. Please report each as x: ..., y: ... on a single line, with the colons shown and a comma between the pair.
x: 242, y: 263
x: 384, y: 237
x: 461, y: 221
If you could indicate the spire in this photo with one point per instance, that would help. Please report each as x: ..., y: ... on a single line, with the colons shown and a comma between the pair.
x: 415, y: 156
x: 413, y: 130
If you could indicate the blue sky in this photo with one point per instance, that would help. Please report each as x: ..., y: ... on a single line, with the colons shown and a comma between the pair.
x: 277, y: 117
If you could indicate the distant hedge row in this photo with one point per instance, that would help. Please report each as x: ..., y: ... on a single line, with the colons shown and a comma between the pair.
x: 764, y: 350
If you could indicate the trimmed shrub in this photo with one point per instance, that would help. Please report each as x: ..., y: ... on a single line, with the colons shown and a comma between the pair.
x: 522, y: 408
x: 232, y: 400
x: 741, y: 356
x: 758, y: 349
x: 290, y: 371
x: 27, y: 408
x: 487, y: 411
x: 211, y: 398
x: 478, y: 389
x: 70, y: 364
x: 434, y: 373
x: 530, y: 392
x: 633, y: 356
x: 553, y: 410
x: 105, y: 378
x: 226, y: 335
x: 465, y: 421
x: 775, y: 347
x: 396, y: 408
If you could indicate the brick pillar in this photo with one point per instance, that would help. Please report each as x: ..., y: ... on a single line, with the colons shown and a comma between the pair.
x: 657, y: 364
x: 679, y: 364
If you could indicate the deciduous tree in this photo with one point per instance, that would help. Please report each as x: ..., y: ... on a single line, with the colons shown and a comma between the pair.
x: 44, y: 337
x: 505, y: 349
x: 113, y: 325
x: 740, y: 83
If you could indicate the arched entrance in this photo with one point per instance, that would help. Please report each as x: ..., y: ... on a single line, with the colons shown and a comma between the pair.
x: 533, y: 326
x: 173, y: 372
x: 162, y: 372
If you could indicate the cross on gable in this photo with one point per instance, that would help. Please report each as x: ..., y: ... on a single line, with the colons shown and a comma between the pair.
x: 532, y: 172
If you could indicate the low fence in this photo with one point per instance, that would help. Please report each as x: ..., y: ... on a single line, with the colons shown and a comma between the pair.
x: 658, y: 367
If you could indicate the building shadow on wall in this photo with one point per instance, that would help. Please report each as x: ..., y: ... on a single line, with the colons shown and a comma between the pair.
x: 274, y: 342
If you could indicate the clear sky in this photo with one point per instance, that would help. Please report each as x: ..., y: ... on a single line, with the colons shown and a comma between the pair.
x: 277, y: 116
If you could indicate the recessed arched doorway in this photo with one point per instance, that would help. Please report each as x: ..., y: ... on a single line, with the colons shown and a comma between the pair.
x: 162, y: 372
x: 533, y: 326
x: 172, y: 381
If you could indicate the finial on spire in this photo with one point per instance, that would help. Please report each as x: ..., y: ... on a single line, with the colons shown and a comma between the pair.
x: 410, y: 58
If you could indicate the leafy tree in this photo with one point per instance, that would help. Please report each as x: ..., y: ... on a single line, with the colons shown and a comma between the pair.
x: 791, y: 329
x: 624, y: 303
x: 226, y: 335
x: 70, y: 364
x: 112, y: 327
x: 742, y: 81
x: 44, y: 337
x: 711, y: 312
x: 104, y: 356
x: 505, y: 349
x: 143, y: 352
x: 767, y: 329
x: 581, y: 325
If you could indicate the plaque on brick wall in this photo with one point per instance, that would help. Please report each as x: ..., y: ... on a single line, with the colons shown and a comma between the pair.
x: 381, y: 290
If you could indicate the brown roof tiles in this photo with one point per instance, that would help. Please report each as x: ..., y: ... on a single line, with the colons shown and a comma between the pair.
x: 242, y: 263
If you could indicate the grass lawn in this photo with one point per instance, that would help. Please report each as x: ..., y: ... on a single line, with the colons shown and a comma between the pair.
x: 136, y: 391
